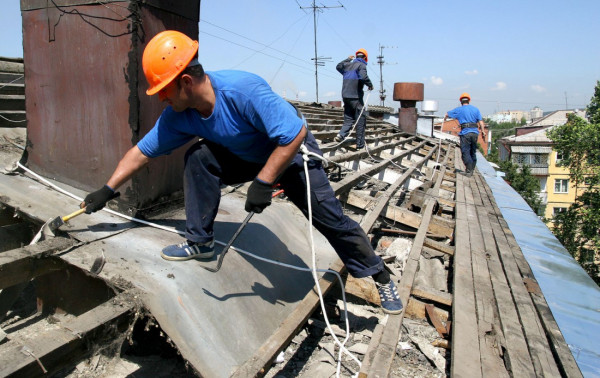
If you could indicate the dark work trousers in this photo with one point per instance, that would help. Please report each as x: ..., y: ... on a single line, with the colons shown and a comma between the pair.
x: 352, y: 108
x: 208, y: 165
x: 468, y: 147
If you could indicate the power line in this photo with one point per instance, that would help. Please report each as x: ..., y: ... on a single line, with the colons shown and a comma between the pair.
x: 258, y: 51
x: 253, y: 41
x: 319, y: 61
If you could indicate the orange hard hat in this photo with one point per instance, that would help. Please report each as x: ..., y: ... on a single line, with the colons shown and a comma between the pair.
x: 165, y: 57
x: 465, y: 95
x: 364, y: 52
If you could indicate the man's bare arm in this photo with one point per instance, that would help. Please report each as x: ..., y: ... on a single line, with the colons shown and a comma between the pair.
x: 132, y: 162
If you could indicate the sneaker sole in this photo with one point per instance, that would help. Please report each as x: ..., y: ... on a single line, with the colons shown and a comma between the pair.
x: 207, y: 255
x: 393, y: 312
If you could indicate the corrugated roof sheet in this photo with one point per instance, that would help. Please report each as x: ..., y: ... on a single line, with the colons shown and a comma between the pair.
x: 531, y: 149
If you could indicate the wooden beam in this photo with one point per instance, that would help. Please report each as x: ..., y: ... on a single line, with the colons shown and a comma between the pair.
x: 560, y: 349
x: 432, y: 295
x: 438, y: 225
x: 70, y: 341
x: 438, y: 246
x: 351, y: 180
x: 382, y: 201
x: 264, y: 356
x: 22, y: 264
x: 386, y: 350
x: 435, y: 320
x: 465, y: 357
x: 371, y: 350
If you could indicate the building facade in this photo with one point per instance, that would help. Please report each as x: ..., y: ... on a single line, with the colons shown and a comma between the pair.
x: 532, y: 147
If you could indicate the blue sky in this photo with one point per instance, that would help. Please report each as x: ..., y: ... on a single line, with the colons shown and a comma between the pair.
x: 509, y: 55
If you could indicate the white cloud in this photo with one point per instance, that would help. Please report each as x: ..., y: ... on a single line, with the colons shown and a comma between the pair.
x: 436, y: 80
x: 474, y: 72
x: 331, y: 94
x: 538, y: 88
x: 500, y: 86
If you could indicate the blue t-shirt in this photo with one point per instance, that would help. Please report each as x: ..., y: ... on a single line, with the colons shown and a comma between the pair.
x: 249, y: 119
x: 466, y: 114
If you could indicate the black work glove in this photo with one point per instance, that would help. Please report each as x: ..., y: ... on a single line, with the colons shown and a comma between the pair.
x: 97, y: 200
x: 370, y: 88
x: 259, y: 196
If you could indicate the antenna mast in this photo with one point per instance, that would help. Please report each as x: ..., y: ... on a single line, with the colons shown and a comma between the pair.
x: 319, y: 60
x: 381, y: 62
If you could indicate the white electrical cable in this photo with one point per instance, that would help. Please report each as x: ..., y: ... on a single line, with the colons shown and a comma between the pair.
x: 306, y: 156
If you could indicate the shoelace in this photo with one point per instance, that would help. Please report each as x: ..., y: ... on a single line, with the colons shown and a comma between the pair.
x: 387, y: 293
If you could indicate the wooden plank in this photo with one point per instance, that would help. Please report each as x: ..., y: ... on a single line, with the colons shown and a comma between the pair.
x: 516, y: 346
x: 264, y: 356
x: 69, y: 342
x: 465, y: 357
x: 541, y: 355
x: 382, y: 201
x: 22, y: 264
x: 438, y: 226
x: 352, y: 179
x: 432, y: 295
x: 371, y: 350
x: 364, y: 289
x: 488, y: 324
x: 386, y: 350
x: 559, y: 347
x: 438, y: 246
x: 435, y: 320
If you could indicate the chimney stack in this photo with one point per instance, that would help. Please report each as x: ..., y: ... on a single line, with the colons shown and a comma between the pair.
x: 408, y: 94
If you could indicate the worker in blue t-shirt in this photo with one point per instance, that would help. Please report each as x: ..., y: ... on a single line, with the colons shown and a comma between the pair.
x: 471, y: 122
x: 248, y: 133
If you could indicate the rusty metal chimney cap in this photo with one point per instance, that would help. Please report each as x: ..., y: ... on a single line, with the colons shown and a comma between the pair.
x: 409, y: 91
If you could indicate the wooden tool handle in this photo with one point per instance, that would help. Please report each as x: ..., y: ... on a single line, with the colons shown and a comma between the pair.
x: 73, y: 215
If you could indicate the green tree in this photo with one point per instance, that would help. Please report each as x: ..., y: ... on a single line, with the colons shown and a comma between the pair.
x: 593, y: 109
x: 578, y: 229
x: 499, y: 130
x: 527, y: 185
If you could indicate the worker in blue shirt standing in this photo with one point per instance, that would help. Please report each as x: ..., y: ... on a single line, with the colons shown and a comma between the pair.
x: 354, y: 71
x: 470, y: 120
x: 248, y: 133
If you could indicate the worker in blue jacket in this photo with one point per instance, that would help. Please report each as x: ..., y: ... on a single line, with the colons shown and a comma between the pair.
x: 248, y: 133
x: 470, y: 120
x: 354, y: 71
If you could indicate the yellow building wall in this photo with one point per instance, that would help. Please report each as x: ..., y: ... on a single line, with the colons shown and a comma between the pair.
x: 558, y: 199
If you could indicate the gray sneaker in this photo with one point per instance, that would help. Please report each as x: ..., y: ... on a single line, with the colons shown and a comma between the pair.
x: 338, y: 138
x: 187, y: 251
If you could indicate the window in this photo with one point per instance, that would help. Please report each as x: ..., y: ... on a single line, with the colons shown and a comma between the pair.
x: 520, y: 158
x: 561, y: 186
x: 538, y: 159
x: 560, y: 156
x: 558, y: 210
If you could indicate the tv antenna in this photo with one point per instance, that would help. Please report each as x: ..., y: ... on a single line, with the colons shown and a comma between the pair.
x: 319, y: 60
x: 381, y: 62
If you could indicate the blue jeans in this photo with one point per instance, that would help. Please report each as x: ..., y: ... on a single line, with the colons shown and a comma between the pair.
x: 352, y: 108
x: 208, y: 165
x: 468, y: 148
